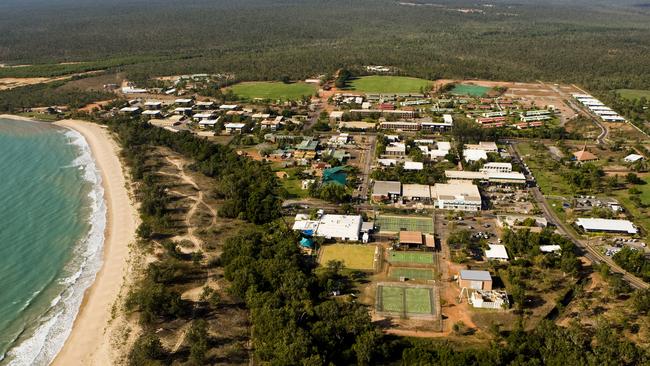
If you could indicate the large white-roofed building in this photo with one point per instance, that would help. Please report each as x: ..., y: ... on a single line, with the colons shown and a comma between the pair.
x: 497, y: 252
x: 459, y: 196
x: 341, y: 227
x: 474, y: 155
x: 606, y: 225
x: 416, y: 192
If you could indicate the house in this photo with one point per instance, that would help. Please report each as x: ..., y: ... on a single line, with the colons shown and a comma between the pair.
x: 416, y: 192
x: 153, y: 106
x: 272, y: 124
x: 584, y: 156
x: 633, y: 158
x: 496, y: 252
x: 198, y: 117
x: 308, y: 144
x: 475, y: 280
x: 396, y: 149
x: 387, y: 162
x: 234, y: 127
x: 184, y: 111
x: 336, y: 115
x: 459, y: 196
x: 152, y: 114
x: 229, y: 107
x: 131, y: 111
x: 413, y: 165
x: 205, y: 123
x: 550, y: 248
x: 337, y: 175
x: 400, y: 126
x: 497, y: 167
x: 340, y: 227
x: 185, y: 102
x: 204, y: 105
x: 386, y: 190
x: 606, y: 225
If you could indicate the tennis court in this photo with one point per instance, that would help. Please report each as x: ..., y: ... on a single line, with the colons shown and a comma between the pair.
x: 354, y: 256
x: 403, y: 223
x: 410, y: 257
x: 411, y: 273
x: 405, y: 300
x: 471, y: 90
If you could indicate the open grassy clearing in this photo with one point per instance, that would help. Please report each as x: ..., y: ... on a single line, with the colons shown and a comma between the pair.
x: 411, y: 273
x: 545, y: 170
x: 352, y: 255
x: 401, y: 223
x: 634, y: 93
x: 388, y: 84
x: 470, y: 90
x: 411, y: 257
x: 273, y: 90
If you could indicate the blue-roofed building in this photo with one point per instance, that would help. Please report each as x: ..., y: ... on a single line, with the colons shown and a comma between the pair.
x: 336, y: 175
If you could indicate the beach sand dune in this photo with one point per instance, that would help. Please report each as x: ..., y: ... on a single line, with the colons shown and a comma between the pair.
x: 90, y: 340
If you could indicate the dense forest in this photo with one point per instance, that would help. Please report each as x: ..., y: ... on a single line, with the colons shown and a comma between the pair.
x: 600, y: 46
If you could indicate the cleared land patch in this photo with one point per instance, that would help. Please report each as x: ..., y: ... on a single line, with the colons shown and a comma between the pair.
x: 411, y: 273
x: 273, y: 90
x: 400, y: 223
x: 388, y: 84
x: 471, y: 90
x: 634, y: 93
x: 410, y: 257
x: 353, y: 256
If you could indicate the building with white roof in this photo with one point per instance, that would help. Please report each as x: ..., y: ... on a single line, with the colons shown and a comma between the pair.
x: 460, y: 196
x: 550, y: 248
x: 413, y: 165
x: 383, y: 190
x: 606, y: 225
x: 229, y: 107
x: 632, y: 158
x: 396, y: 148
x: 487, y: 146
x: 416, y: 192
x: 387, y: 162
x: 234, y: 127
x: 497, y: 167
x: 474, y: 155
x: 329, y: 226
x: 497, y: 252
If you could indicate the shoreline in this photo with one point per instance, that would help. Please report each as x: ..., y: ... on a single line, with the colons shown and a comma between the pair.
x: 89, y: 342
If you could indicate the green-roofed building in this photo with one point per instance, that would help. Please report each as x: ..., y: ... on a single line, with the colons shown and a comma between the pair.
x: 308, y: 144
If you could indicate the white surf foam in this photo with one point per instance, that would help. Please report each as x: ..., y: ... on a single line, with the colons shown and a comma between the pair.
x: 54, y: 327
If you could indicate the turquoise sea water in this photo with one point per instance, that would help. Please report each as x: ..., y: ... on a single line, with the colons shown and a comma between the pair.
x: 52, y: 219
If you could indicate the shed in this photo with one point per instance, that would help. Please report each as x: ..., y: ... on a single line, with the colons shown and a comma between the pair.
x: 476, y: 280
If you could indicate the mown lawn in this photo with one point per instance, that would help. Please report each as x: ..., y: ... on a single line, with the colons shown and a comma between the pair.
x: 388, y: 84
x: 273, y: 90
x: 545, y: 170
x: 634, y: 93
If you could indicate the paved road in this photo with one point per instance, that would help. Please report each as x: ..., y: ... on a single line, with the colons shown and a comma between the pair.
x: 588, y: 251
x: 369, y: 156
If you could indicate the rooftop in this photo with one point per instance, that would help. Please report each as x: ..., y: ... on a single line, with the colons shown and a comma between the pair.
x: 386, y: 188
x: 496, y: 251
x: 590, y: 224
x: 472, y: 275
x: 410, y: 237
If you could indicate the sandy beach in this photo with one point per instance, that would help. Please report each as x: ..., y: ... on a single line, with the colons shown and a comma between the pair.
x: 90, y: 340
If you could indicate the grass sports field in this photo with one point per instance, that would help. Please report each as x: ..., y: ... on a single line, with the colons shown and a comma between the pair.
x: 411, y: 273
x: 471, y: 90
x: 410, y: 257
x: 353, y: 256
x: 273, y: 90
x: 388, y: 84
x: 411, y: 300
x: 634, y: 93
x: 400, y: 223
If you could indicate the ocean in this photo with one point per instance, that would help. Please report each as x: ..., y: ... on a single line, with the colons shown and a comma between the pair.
x: 52, y: 221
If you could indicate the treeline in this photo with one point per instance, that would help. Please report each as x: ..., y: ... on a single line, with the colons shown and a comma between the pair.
x: 46, y: 95
x: 249, y: 188
x: 521, y: 42
x: 633, y: 261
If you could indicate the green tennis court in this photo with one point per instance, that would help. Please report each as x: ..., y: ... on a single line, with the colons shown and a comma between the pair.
x: 411, y: 273
x: 400, y: 223
x: 410, y: 300
x: 410, y: 257
x: 418, y: 300
x: 471, y: 90
x: 392, y: 299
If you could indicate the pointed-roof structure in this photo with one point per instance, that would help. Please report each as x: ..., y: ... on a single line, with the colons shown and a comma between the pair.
x: 584, y: 155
